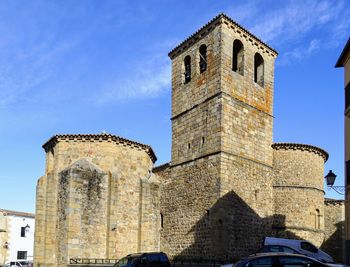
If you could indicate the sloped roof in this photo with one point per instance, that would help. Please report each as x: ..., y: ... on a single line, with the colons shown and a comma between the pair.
x: 346, y: 50
x: 208, y: 27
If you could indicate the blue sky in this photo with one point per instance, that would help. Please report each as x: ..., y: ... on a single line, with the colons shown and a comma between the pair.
x: 89, y: 66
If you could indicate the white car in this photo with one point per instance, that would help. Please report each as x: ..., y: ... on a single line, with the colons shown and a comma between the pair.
x: 281, y: 259
x: 300, y: 246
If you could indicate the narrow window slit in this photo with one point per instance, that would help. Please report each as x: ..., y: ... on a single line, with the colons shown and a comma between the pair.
x: 202, y: 58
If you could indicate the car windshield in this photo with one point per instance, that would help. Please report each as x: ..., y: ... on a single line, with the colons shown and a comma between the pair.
x: 309, y: 247
x: 127, y: 261
x: 276, y: 248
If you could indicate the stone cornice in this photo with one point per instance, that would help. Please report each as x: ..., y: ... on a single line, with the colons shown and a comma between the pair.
x: 221, y: 18
x: 161, y: 167
x: 302, y: 147
x: 299, y: 187
x: 98, y: 138
x: 330, y: 201
x: 18, y: 213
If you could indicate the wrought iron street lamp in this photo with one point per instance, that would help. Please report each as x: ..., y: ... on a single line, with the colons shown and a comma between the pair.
x: 330, y: 179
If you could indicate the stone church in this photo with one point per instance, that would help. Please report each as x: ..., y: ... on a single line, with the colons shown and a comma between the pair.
x: 227, y: 185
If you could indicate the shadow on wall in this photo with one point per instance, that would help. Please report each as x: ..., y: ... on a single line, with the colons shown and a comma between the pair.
x: 333, y: 246
x: 231, y: 230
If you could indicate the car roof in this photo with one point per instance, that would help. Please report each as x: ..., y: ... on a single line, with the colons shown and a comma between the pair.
x: 269, y: 254
x: 144, y: 253
x: 139, y: 255
x: 134, y: 255
x: 281, y: 241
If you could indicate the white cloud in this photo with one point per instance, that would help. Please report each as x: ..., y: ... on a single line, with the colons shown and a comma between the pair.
x: 297, y: 18
x: 151, y: 77
x: 299, y: 53
x: 290, y: 27
x: 245, y: 12
x: 27, y: 69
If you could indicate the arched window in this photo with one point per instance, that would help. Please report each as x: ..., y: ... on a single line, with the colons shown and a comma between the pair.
x: 259, y: 69
x: 202, y: 58
x: 187, y: 63
x: 238, y: 57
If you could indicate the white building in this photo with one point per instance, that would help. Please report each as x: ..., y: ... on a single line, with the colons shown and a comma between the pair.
x: 16, y: 236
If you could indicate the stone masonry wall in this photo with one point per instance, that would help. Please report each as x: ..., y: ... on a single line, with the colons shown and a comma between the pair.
x: 334, y: 241
x: 298, y: 192
x: 3, y: 237
x: 82, y: 209
x: 246, y: 203
x: 113, y: 203
x: 40, y: 221
x: 219, y: 116
x: 247, y: 107
x: 195, y: 108
x: 186, y: 206
x: 150, y: 214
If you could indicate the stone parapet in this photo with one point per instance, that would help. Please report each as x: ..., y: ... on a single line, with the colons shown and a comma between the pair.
x: 334, y: 242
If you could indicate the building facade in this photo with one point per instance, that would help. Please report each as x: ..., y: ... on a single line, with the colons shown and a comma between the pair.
x: 16, y: 236
x: 344, y: 62
x: 227, y: 185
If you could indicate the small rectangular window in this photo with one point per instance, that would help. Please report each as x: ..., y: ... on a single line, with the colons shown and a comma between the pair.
x: 347, y: 96
x: 347, y: 166
x: 202, y: 58
x: 187, y: 62
x: 23, y: 232
x: 21, y: 255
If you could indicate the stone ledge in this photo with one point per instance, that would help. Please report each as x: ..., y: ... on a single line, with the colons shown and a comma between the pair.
x: 299, y: 187
x: 17, y: 213
x: 161, y: 167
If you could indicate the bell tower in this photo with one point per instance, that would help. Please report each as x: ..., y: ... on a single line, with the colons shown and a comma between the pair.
x: 222, y: 94
x: 220, y: 184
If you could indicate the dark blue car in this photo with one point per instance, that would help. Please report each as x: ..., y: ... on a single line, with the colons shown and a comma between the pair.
x: 151, y: 259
